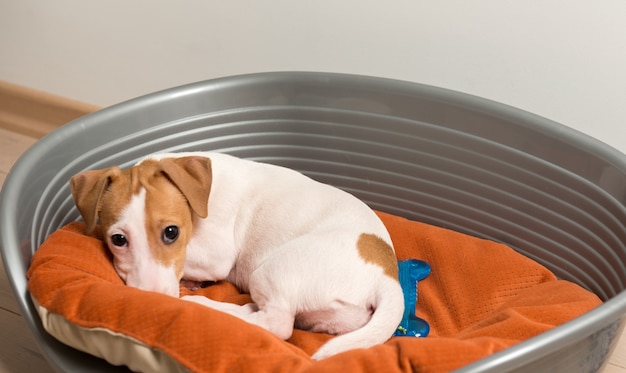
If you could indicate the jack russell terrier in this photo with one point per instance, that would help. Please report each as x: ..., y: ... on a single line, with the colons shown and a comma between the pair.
x: 308, y: 254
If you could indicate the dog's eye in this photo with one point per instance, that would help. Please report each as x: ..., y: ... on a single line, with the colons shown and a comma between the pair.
x: 119, y: 240
x: 170, y: 234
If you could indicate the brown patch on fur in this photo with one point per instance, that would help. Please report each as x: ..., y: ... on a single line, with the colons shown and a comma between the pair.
x: 88, y: 189
x: 193, y: 176
x: 166, y: 206
x: 376, y: 251
x: 175, y: 189
x: 119, y: 190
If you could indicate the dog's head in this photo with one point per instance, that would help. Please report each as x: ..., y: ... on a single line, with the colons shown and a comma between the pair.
x: 146, y: 214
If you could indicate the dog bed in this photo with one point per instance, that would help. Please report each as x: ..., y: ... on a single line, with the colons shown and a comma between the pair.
x: 452, y: 160
x: 480, y: 298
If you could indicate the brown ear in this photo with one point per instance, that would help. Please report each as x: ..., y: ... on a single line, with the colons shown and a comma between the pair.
x: 87, y: 189
x: 192, y: 176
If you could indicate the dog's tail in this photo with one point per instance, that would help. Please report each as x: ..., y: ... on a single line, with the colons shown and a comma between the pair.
x: 389, y: 308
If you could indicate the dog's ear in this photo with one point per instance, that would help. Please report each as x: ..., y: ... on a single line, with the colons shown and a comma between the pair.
x: 87, y: 190
x: 192, y: 176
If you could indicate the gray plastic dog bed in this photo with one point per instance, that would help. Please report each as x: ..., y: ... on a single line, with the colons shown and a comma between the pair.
x: 428, y: 154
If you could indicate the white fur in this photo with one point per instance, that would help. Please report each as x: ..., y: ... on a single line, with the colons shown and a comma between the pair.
x: 290, y: 242
x: 145, y: 273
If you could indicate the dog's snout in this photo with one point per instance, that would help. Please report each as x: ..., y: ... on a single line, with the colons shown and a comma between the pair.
x: 156, y: 285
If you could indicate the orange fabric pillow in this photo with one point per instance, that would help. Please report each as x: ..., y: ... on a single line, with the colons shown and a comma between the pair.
x: 481, y: 297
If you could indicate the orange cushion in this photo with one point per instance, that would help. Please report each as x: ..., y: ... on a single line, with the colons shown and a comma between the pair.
x: 481, y: 297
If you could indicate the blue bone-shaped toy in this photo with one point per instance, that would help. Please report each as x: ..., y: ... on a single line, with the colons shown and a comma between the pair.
x: 412, y: 271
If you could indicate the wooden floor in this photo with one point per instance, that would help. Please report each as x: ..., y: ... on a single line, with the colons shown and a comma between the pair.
x: 18, y: 352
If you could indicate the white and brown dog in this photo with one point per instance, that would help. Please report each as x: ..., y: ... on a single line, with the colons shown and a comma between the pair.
x: 309, y: 254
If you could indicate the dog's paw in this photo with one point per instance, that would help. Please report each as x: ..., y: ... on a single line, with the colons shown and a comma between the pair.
x: 197, y: 299
x: 322, y: 353
x: 230, y: 308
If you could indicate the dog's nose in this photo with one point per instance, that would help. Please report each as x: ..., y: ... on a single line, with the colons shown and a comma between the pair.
x: 158, y: 281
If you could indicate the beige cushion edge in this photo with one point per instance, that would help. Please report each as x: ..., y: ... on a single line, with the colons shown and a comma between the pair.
x: 115, y: 348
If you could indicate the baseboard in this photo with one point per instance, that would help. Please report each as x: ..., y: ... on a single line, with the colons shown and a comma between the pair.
x: 35, y: 113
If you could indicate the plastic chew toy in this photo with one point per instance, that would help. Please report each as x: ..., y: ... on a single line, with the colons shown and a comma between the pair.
x: 412, y: 271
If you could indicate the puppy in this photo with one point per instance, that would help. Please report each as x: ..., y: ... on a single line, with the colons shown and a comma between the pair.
x: 309, y: 254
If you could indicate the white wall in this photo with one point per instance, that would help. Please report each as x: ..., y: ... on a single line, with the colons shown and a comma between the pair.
x: 565, y: 60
